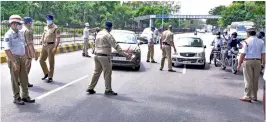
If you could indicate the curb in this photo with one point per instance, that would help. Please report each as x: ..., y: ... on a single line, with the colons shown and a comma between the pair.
x: 65, y: 48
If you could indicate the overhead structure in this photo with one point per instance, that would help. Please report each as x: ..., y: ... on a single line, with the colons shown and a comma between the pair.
x: 160, y: 16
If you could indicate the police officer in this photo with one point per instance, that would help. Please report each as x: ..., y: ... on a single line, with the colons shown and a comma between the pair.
x: 252, y: 55
x: 50, y: 41
x: 151, y: 42
x: 166, y: 42
x: 261, y: 35
x: 217, y: 43
x: 17, y: 53
x: 86, y: 40
x: 28, y: 33
x: 104, y: 42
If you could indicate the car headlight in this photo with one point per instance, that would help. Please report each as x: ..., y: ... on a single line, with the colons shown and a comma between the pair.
x: 199, y: 54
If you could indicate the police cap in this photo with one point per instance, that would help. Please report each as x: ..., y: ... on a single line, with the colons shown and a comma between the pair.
x: 108, y: 24
x: 27, y: 20
x: 49, y: 17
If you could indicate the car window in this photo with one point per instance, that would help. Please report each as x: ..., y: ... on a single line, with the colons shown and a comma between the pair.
x: 123, y: 37
x: 241, y: 28
x: 189, y: 42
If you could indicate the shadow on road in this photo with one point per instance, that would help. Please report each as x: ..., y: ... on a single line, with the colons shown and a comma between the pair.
x: 207, y: 67
x: 121, y: 97
x: 38, y: 89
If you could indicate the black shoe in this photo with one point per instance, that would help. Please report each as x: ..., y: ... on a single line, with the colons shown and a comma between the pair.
x: 87, y: 56
x: 110, y: 93
x: 171, y: 70
x: 28, y: 100
x: 30, y: 85
x: 147, y: 61
x: 83, y: 54
x: 45, y: 76
x: 161, y: 69
x: 18, y: 83
x: 18, y: 101
x: 50, y: 80
x: 153, y: 62
x: 90, y: 91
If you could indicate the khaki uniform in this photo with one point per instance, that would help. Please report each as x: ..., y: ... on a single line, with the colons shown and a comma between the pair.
x: 252, y: 49
x: 50, y: 35
x: 104, y: 42
x: 151, y: 42
x: 28, y: 33
x: 167, y: 40
x: 16, y: 44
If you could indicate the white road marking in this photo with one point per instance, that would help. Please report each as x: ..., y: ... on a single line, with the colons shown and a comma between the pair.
x: 59, y: 88
x: 184, y: 69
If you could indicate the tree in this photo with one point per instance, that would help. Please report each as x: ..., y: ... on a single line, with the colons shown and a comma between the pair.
x: 215, y: 11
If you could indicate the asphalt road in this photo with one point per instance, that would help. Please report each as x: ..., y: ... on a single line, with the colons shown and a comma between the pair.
x: 149, y: 95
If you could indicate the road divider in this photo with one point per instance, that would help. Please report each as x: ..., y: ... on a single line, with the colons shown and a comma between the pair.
x: 64, y: 48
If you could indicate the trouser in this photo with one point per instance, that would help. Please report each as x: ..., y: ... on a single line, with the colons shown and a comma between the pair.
x: 47, y: 51
x: 102, y: 63
x: 150, y: 52
x: 86, y: 46
x: 251, y: 70
x: 166, y: 52
x: 28, y: 68
x: 19, y: 76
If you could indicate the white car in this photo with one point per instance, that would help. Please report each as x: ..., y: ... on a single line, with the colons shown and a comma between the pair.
x: 146, y: 33
x: 189, y: 51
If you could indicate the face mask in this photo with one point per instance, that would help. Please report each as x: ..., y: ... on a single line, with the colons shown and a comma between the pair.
x: 49, y: 22
x: 19, y: 27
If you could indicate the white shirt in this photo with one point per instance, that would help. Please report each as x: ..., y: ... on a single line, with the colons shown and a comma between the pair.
x: 218, y: 42
x: 15, y: 42
x: 86, y: 33
x: 150, y: 37
x: 254, y: 48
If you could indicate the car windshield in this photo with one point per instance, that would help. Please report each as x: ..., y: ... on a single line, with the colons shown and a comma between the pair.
x: 241, y: 28
x: 189, y: 42
x: 123, y: 37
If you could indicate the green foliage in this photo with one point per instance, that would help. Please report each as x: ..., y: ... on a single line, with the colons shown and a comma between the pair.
x: 215, y: 11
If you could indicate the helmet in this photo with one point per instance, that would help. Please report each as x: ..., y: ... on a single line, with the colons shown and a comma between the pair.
x: 28, y: 20
x: 87, y: 24
x: 218, y: 33
x: 152, y: 28
x: 261, y: 34
x: 234, y: 33
x: 15, y: 18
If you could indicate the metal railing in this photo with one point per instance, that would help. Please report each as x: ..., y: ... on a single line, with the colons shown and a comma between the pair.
x: 72, y: 33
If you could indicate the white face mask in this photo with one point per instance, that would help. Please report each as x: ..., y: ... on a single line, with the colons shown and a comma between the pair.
x: 49, y: 22
x: 19, y: 27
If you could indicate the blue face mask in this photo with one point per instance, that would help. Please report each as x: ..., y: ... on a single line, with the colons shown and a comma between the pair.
x: 49, y: 22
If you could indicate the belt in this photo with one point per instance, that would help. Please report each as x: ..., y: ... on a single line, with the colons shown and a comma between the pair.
x: 49, y: 43
x: 252, y: 59
x: 100, y: 54
x: 164, y: 43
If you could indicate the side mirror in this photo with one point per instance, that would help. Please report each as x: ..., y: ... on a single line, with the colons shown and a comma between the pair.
x: 204, y: 46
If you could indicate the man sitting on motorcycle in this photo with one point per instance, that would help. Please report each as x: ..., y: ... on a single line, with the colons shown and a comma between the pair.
x: 217, y: 43
x: 232, y: 43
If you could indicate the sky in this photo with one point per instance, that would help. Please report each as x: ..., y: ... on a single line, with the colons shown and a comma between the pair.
x: 200, y: 7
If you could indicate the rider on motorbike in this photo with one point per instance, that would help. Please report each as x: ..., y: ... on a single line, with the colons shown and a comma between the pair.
x: 217, y: 43
x: 232, y: 43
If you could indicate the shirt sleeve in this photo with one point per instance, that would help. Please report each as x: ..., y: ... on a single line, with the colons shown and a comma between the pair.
x: 263, y: 49
x: 7, y: 42
x: 57, y: 33
x: 245, y: 48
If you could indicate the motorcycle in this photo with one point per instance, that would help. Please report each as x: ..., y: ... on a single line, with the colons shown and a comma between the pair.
x: 217, y: 57
x: 231, y: 60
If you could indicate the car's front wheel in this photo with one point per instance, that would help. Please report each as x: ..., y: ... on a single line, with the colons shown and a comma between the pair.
x: 136, y: 68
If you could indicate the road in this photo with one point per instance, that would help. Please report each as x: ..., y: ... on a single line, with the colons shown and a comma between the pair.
x: 149, y: 95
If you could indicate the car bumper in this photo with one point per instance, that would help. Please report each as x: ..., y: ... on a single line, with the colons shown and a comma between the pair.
x: 135, y: 62
x: 178, y: 60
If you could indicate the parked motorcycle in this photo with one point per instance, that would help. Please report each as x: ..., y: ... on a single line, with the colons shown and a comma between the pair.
x: 231, y: 60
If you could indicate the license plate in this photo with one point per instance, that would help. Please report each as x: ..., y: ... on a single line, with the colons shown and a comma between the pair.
x: 120, y: 58
x: 186, y: 62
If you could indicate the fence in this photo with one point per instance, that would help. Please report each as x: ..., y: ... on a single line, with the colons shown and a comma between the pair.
x: 70, y: 33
